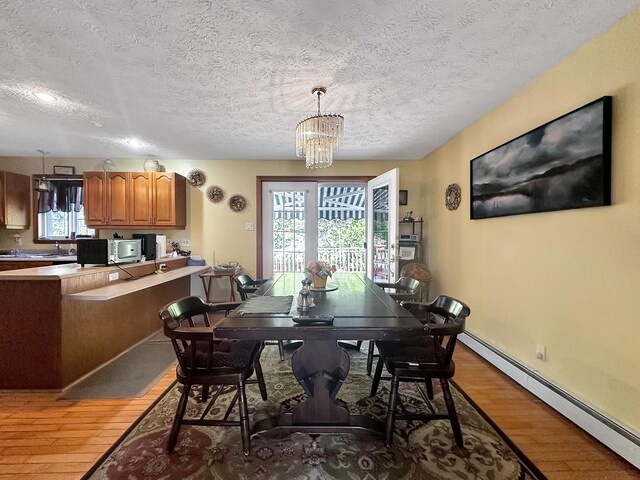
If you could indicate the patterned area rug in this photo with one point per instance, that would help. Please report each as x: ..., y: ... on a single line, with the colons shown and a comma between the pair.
x: 419, y: 451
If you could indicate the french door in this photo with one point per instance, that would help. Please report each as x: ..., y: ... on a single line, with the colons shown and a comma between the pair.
x: 289, y: 232
x: 382, y: 227
x: 293, y: 211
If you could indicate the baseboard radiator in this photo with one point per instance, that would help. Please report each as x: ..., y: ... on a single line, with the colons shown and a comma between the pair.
x: 619, y: 439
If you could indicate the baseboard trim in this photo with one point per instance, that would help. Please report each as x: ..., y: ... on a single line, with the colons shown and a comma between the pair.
x: 619, y: 439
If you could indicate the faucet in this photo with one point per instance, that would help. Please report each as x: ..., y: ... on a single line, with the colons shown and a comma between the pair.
x: 58, y: 248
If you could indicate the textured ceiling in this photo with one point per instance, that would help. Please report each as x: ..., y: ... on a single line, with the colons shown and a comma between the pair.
x: 229, y: 79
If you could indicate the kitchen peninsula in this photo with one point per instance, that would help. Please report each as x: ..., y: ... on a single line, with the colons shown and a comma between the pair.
x: 61, y: 322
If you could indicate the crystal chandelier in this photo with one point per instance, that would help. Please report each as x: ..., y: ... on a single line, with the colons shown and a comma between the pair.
x: 317, y: 137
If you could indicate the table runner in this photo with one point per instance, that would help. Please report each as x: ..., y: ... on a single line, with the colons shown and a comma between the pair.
x: 262, y: 305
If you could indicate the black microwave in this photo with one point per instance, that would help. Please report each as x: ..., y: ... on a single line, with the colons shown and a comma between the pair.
x: 99, y: 251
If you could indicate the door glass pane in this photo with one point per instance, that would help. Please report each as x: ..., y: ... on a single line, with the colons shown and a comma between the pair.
x: 288, y: 246
x: 381, y: 247
x: 341, y: 226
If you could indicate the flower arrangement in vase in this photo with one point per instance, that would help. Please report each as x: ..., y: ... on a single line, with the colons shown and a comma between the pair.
x: 320, y: 271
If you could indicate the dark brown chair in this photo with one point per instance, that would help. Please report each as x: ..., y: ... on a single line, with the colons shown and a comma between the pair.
x: 424, y: 359
x: 206, y: 361
x: 403, y: 289
x: 247, y: 286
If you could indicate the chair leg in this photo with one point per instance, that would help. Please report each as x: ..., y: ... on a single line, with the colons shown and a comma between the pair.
x: 358, y: 344
x: 205, y: 393
x: 376, y: 377
x: 260, y: 378
x: 244, y: 419
x: 370, y: 356
x: 281, y: 350
x: 429, y: 386
x: 451, y: 410
x: 391, y: 410
x: 177, y: 420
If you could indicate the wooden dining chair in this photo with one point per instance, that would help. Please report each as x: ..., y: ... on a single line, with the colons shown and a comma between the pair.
x: 246, y: 286
x: 423, y: 359
x: 403, y: 289
x: 206, y: 361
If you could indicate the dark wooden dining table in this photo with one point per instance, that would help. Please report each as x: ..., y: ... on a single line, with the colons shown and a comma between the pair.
x: 361, y: 310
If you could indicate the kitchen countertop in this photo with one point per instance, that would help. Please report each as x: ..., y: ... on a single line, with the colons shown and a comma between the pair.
x: 67, y: 270
x: 129, y: 286
x: 38, y: 258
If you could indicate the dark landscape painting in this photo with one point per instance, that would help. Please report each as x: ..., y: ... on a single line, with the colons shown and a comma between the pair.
x: 563, y: 164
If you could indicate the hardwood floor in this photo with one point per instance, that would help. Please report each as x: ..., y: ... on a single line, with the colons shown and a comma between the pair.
x: 558, y: 448
x: 45, y: 438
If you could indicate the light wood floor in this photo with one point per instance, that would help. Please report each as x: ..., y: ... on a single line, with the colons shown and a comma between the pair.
x: 45, y: 438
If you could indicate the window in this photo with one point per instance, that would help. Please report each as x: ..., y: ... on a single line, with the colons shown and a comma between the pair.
x: 59, y: 211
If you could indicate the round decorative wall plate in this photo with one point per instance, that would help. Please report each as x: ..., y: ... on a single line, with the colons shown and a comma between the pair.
x: 452, y: 196
x: 237, y: 203
x: 196, y: 177
x: 215, y: 194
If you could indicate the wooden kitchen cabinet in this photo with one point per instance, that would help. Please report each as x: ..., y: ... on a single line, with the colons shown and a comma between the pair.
x: 141, y: 198
x: 117, y: 211
x: 169, y: 200
x: 15, y: 200
x: 106, y: 198
x: 95, y: 204
x: 135, y: 199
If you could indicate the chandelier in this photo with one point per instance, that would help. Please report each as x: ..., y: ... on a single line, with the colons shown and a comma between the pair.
x: 319, y: 136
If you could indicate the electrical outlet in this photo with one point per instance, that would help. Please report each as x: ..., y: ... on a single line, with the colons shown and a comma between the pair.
x: 541, y: 352
x: 248, y: 227
x: 113, y: 276
x: 185, y: 243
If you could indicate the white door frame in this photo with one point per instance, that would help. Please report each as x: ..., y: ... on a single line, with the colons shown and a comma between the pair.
x: 390, y: 179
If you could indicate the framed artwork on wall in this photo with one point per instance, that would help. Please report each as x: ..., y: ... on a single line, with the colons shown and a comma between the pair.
x: 407, y: 253
x: 63, y: 170
x: 563, y: 164
x: 403, y: 197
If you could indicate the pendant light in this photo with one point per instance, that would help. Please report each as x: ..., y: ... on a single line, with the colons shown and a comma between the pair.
x: 43, y: 184
x: 319, y: 136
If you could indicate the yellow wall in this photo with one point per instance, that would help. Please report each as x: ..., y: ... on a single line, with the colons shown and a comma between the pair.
x: 214, y: 227
x: 568, y: 279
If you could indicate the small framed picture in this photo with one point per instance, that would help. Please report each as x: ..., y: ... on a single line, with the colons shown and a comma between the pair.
x: 407, y: 253
x: 403, y: 196
x: 63, y: 170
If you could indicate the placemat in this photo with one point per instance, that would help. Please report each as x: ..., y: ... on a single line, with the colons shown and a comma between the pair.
x: 265, y: 304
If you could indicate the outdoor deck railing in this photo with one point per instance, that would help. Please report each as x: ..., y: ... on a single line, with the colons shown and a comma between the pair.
x: 345, y: 260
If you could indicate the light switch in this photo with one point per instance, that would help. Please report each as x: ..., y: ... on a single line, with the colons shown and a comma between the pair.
x: 249, y: 227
